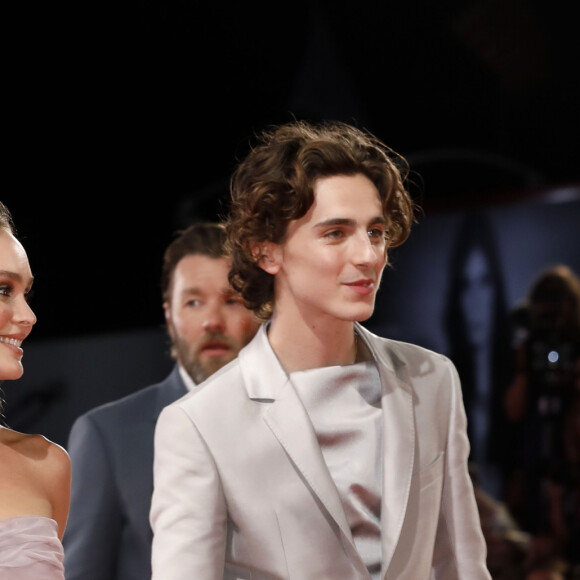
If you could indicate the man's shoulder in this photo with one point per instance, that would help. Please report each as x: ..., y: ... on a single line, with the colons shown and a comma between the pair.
x: 129, y: 406
x: 397, y: 345
x: 412, y: 350
x: 405, y: 352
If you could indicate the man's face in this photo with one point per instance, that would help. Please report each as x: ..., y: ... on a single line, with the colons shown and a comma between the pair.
x: 331, y: 262
x: 206, y: 319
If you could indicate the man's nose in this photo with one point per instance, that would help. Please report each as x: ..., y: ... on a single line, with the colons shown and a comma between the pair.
x: 364, y: 252
x: 214, y: 320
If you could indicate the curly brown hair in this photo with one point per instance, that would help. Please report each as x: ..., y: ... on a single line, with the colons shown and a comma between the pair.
x: 274, y: 185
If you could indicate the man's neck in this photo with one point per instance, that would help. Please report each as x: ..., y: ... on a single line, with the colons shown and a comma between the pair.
x: 301, y: 346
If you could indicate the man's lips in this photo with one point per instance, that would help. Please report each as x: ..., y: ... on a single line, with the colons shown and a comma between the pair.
x: 215, y: 348
x: 363, y: 287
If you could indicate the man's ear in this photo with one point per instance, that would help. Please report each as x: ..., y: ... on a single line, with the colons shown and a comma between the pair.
x: 268, y: 256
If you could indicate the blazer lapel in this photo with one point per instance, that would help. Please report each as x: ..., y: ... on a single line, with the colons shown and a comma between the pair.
x: 291, y: 425
x: 266, y: 380
x: 398, y: 443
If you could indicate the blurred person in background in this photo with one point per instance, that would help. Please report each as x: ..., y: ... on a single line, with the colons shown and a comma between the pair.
x: 544, y: 401
x: 111, y: 447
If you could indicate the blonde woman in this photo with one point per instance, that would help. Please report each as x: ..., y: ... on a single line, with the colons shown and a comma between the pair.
x: 34, y: 472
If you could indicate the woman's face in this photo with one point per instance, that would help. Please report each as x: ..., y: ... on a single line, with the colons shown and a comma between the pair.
x: 331, y: 262
x: 16, y: 316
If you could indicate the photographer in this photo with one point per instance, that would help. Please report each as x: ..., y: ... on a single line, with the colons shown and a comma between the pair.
x: 544, y: 401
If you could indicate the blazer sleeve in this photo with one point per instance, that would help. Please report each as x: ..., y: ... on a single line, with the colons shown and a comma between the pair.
x: 460, y: 550
x: 94, y: 524
x: 188, y: 511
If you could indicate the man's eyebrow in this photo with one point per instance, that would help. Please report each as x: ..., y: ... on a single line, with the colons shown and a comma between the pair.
x: 195, y: 291
x: 347, y: 222
x: 335, y: 222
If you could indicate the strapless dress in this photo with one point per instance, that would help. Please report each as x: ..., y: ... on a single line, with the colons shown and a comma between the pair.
x: 30, y: 549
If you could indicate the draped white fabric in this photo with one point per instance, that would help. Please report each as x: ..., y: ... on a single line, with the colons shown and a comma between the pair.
x: 344, y: 406
x: 30, y: 549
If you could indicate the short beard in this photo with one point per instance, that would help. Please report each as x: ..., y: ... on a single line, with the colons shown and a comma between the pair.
x: 199, y: 372
x: 190, y: 360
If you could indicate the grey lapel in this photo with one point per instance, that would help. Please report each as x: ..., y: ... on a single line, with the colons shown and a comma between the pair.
x: 286, y: 417
x: 398, y: 441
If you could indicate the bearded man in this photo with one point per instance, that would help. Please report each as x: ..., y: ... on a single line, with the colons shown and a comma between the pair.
x: 108, y: 535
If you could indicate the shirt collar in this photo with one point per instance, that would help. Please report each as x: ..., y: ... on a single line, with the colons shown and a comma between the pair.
x: 189, y: 382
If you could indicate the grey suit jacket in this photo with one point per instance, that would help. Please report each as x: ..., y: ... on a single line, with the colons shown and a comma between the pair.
x: 241, y: 489
x: 108, y: 536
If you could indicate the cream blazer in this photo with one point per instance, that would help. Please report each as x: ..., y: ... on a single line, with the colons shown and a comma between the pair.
x: 241, y: 489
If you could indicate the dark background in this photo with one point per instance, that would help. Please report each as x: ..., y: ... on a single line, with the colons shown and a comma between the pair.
x: 125, y: 120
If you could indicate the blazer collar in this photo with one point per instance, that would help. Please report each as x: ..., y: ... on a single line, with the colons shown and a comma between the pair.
x: 261, y: 370
x: 258, y: 360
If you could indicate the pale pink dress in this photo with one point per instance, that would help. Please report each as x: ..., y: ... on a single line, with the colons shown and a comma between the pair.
x: 30, y: 549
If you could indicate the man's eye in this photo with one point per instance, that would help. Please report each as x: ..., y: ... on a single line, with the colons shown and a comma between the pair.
x: 5, y: 290
x: 377, y: 234
x: 193, y: 303
x: 334, y: 234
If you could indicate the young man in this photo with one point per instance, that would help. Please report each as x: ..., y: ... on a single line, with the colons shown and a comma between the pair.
x: 323, y: 451
x: 108, y: 534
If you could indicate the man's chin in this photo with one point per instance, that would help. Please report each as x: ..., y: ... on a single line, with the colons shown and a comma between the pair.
x: 208, y: 365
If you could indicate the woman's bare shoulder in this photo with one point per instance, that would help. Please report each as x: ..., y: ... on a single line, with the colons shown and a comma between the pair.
x: 38, y: 478
x: 34, y: 446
